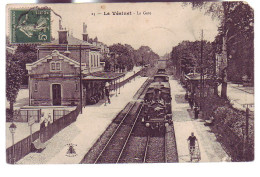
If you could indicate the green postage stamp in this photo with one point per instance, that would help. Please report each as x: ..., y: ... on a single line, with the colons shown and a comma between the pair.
x: 30, y: 25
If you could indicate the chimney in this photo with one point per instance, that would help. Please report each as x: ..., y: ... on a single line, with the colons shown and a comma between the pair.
x: 63, y: 36
x: 85, y: 37
x: 67, y: 52
x: 60, y: 26
x: 85, y: 34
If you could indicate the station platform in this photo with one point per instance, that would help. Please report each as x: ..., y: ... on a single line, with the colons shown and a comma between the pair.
x: 184, y: 124
x: 83, y: 133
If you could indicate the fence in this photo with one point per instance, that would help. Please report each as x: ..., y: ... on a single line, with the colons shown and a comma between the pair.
x: 59, y: 113
x: 24, y: 115
x: 122, y: 83
x: 23, y: 147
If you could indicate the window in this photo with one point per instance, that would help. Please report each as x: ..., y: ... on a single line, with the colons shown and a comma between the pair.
x: 94, y: 61
x: 36, y: 87
x: 91, y: 61
x: 55, y: 66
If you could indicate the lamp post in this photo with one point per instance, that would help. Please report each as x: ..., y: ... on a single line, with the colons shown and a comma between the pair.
x: 12, y: 129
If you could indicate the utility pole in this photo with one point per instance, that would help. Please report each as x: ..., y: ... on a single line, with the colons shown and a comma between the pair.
x: 215, y: 73
x: 80, y: 79
x: 142, y: 61
x: 246, y: 136
x: 201, y: 75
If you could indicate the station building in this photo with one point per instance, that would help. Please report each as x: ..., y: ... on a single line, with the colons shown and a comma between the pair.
x: 54, y: 79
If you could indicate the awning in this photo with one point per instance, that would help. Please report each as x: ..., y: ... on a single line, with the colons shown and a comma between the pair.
x: 196, y: 77
x: 105, y: 76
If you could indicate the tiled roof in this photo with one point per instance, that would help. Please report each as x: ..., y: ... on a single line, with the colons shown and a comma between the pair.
x: 72, y: 41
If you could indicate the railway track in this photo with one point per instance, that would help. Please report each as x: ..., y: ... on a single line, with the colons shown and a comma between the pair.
x: 113, y: 149
x: 144, y: 147
x: 155, y: 150
x: 127, y: 140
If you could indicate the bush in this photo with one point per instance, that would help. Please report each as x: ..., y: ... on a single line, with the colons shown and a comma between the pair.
x: 8, y: 115
x: 230, y: 125
x: 235, y: 120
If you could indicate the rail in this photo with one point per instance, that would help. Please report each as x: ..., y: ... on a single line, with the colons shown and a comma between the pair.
x: 108, y: 142
x: 119, y: 157
x: 146, y: 148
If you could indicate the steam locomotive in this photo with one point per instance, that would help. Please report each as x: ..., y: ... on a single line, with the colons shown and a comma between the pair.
x: 157, y: 102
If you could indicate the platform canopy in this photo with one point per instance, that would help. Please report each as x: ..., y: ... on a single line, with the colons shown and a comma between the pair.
x: 195, y: 77
x: 105, y: 76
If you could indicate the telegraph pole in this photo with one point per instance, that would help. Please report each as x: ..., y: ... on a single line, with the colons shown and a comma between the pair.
x: 215, y: 72
x: 201, y: 75
x: 246, y: 134
x: 80, y: 79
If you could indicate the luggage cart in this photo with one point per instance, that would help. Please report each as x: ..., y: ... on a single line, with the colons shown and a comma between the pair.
x: 195, y: 155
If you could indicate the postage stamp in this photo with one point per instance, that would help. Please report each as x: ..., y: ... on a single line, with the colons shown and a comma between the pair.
x: 30, y: 25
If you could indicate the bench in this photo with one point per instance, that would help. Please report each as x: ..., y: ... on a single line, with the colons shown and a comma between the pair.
x: 37, y: 146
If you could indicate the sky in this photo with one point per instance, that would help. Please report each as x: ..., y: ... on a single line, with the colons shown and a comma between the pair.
x: 164, y: 25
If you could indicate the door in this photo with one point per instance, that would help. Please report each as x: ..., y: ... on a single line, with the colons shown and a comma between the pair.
x: 56, y: 94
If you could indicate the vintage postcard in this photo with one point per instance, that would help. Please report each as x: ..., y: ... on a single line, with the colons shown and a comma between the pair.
x: 129, y: 83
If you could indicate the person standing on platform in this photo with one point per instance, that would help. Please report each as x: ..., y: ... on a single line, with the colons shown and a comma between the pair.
x: 106, y: 90
x: 42, y: 126
x: 196, y: 111
x: 50, y: 119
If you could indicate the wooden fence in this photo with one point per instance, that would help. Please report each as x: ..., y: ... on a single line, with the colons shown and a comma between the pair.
x: 23, y: 147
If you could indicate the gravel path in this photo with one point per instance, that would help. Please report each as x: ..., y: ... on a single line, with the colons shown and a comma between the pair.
x: 156, y: 150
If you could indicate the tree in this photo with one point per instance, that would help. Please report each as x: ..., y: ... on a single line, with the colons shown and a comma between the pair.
x: 236, y: 26
x: 122, y: 56
x: 146, y: 56
x: 186, y: 57
x: 14, y: 75
x: 25, y: 53
x: 127, y: 56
